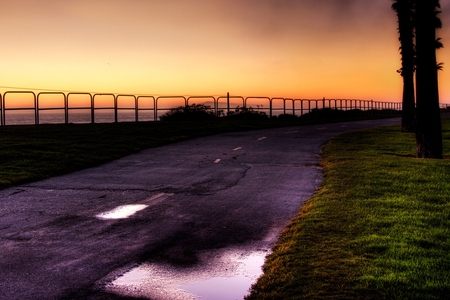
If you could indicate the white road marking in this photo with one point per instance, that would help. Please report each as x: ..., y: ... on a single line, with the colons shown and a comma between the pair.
x: 125, y: 211
x: 121, y: 212
x: 238, y: 148
x: 217, y: 161
x: 262, y: 138
x: 155, y: 196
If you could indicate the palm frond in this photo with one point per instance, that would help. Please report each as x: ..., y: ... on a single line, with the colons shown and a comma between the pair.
x: 439, y: 44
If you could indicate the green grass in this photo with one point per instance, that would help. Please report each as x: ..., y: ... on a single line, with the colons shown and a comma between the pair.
x: 378, y: 228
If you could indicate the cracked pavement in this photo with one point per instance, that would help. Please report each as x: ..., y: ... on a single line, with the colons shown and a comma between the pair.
x: 203, y: 195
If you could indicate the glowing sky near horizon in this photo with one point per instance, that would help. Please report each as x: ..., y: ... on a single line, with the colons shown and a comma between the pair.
x: 287, y: 48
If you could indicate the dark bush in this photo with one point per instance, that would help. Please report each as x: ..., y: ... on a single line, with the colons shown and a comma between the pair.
x: 286, y: 117
x: 332, y: 113
x: 247, y: 113
x: 194, y: 112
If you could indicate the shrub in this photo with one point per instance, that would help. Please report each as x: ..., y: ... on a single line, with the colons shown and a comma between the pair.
x: 194, y: 112
x: 286, y: 117
x: 246, y: 113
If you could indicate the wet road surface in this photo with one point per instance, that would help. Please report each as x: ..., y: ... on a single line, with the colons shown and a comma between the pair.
x: 198, y: 209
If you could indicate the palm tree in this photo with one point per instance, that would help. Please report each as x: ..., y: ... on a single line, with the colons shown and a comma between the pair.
x: 404, y: 10
x: 428, y: 119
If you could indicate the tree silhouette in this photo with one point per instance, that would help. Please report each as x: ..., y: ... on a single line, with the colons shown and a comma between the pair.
x: 404, y: 10
x: 428, y: 119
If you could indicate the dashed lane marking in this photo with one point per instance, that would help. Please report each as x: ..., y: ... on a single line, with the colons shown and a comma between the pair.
x: 262, y: 138
x: 125, y: 211
x: 217, y: 161
x: 121, y: 212
x: 238, y: 148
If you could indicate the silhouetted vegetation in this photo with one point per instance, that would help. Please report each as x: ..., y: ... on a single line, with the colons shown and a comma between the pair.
x: 332, y: 115
x: 246, y: 113
x: 194, y: 112
x: 200, y: 112
x: 286, y: 117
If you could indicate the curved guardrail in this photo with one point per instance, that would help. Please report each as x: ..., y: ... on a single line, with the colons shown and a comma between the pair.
x: 156, y: 104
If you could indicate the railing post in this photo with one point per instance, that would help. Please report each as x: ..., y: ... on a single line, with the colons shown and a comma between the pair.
x: 36, y: 113
x: 270, y: 108
x: 228, y: 103
x: 2, y: 117
x: 136, y: 110
x: 115, y: 109
x: 92, y: 109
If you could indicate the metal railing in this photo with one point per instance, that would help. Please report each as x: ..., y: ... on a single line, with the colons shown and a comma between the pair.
x: 156, y: 104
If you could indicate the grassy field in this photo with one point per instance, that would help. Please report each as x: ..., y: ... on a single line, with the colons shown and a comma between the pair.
x: 378, y: 228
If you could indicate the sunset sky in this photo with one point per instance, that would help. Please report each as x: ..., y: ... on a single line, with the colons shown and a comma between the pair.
x: 275, y: 48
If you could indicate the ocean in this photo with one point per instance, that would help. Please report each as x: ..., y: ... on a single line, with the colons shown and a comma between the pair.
x: 82, y: 116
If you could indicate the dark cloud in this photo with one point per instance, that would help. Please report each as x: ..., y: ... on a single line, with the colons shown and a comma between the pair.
x: 278, y: 18
x: 445, y: 13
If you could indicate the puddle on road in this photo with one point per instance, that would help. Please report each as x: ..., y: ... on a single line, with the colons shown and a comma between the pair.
x: 220, y: 288
x: 226, y: 288
x: 228, y: 276
x: 121, y: 212
x: 132, y: 277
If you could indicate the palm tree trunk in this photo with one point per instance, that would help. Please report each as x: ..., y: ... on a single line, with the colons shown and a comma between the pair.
x: 428, y: 119
x: 408, y: 103
x: 406, y: 36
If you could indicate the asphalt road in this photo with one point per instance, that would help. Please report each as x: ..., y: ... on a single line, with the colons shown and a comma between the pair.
x: 228, y: 190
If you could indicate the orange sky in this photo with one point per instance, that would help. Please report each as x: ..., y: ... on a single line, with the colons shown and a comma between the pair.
x: 287, y: 48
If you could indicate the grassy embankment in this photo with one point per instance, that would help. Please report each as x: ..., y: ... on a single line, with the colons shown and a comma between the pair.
x: 30, y: 153
x: 378, y: 228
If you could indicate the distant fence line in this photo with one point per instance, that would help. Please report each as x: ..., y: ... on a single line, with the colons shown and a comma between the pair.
x: 155, y: 104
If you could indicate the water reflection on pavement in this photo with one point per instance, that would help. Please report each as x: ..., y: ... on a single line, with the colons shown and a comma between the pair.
x: 227, y: 275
